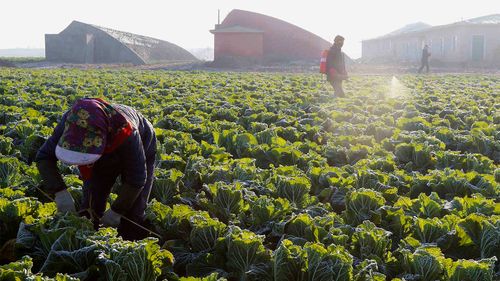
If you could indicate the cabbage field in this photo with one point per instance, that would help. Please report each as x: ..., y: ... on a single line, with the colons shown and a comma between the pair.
x: 268, y: 177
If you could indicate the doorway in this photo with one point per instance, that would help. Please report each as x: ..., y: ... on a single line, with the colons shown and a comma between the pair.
x: 477, y: 47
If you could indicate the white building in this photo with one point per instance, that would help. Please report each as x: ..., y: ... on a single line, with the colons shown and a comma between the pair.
x: 470, y: 42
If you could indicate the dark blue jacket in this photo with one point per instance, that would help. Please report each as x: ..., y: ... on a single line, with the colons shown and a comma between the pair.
x: 130, y: 157
x: 336, y: 60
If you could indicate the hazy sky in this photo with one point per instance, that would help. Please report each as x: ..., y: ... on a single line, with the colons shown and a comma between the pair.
x: 23, y: 23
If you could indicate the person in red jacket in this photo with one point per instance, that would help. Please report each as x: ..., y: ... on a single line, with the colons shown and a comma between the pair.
x: 105, y: 141
x: 335, y: 65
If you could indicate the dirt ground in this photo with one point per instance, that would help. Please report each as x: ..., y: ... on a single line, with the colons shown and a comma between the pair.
x: 297, y: 67
x: 6, y: 64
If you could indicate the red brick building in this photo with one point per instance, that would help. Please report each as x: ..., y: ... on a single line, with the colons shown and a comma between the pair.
x: 257, y: 37
x: 238, y: 41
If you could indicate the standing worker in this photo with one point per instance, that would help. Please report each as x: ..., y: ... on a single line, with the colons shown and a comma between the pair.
x: 105, y: 141
x: 335, y: 65
x: 425, y: 59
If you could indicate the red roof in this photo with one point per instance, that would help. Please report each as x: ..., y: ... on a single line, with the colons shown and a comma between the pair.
x: 282, y: 40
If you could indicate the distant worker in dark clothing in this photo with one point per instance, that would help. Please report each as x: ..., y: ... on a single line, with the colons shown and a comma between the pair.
x: 105, y: 141
x: 425, y: 59
x: 335, y: 65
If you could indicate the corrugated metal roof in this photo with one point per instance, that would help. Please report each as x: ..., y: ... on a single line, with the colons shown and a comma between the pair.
x: 418, y: 26
x: 491, y: 19
x: 142, y: 45
x: 129, y: 38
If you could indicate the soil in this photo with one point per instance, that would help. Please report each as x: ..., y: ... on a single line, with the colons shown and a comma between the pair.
x: 4, y: 63
x: 295, y: 67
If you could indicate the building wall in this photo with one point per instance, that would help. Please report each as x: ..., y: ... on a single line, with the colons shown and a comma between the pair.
x: 491, y: 34
x: 450, y: 44
x: 81, y: 43
x: 282, y: 40
x: 248, y: 45
x: 69, y: 48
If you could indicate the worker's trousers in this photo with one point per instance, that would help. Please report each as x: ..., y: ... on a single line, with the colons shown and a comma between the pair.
x: 424, y: 64
x: 96, y: 192
x: 337, y: 88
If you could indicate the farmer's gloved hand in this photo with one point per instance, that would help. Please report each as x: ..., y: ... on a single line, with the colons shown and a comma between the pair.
x: 64, y: 201
x: 125, y: 200
x: 111, y: 218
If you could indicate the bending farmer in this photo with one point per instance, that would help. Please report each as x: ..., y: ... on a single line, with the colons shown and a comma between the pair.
x: 105, y: 141
x: 335, y: 65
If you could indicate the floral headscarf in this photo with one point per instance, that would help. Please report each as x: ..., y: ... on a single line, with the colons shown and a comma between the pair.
x: 94, y: 126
